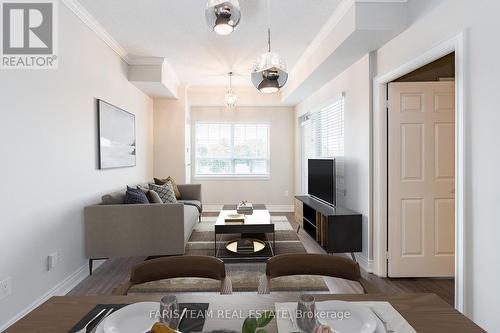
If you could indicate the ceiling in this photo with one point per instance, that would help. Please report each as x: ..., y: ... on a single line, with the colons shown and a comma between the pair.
x: 177, y: 31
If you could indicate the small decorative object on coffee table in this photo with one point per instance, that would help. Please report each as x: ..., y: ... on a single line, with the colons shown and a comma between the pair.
x: 234, y: 218
x: 245, y: 246
x: 245, y: 207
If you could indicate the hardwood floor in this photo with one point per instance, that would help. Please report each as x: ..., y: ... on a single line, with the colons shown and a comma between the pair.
x: 444, y: 288
x: 114, y: 272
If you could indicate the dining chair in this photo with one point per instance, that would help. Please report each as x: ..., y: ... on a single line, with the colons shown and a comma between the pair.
x: 177, y: 267
x: 312, y: 264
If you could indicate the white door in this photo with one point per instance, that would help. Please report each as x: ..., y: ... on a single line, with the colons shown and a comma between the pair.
x: 421, y: 179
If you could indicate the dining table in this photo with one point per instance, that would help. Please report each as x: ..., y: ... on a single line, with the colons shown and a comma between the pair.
x: 425, y: 312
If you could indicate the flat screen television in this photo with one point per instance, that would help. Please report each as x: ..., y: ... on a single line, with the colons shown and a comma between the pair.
x: 321, y: 180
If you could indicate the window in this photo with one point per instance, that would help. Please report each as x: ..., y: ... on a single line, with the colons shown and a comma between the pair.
x: 323, y: 137
x: 231, y: 149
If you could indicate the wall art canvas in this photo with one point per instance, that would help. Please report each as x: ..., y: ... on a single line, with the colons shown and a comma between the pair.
x: 117, y: 146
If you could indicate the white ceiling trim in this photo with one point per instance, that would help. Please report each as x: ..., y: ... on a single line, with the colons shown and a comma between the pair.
x: 92, y: 23
x: 356, y: 28
x: 166, y: 86
x: 331, y: 24
x: 135, y: 60
x: 316, y: 43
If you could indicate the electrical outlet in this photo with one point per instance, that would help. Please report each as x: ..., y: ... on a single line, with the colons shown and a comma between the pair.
x: 52, y: 261
x: 5, y: 287
x: 286, y: 193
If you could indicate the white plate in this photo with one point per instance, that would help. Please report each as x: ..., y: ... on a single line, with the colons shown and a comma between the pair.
x: 133, y: 318
x: 361, y: 319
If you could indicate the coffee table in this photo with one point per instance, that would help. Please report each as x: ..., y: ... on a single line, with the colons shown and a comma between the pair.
x: 257, y: 223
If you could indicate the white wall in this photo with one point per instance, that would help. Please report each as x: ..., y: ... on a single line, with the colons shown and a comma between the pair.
x: 169, y: 137
x: 48, y: 144
x: 355, y: 82
x: 479, y: 21
x: 268, y: 191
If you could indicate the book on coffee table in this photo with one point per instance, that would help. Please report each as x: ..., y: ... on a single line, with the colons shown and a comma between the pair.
x: 234, y: 218
x: 245, y: 208
x: 245, y: 246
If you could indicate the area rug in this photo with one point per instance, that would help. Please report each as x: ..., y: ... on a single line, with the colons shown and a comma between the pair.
x: 245, y: 276
x: 201, y: 241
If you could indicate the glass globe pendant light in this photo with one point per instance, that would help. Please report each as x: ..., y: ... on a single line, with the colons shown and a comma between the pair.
x: 230, y: 97
x: 269, y: 73
x: 223, y: 16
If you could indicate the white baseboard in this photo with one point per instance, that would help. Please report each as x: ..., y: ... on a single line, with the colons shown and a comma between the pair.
x: 61, y: 289
x: 281, y: 208
x: 212, y: 208
x: 271, y: 208
x: 363, y: 261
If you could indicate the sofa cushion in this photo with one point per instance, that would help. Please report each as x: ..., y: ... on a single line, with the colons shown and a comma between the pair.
x: 160, y: 181
x: 190, y: 219
x: 114, y: 198
x: 195, y: 203
x: 135, y: 196
x: 166, y: 192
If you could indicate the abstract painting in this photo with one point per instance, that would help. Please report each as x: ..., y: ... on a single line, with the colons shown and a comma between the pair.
x: 117, y: 146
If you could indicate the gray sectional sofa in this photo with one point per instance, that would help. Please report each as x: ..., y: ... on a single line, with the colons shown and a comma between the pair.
x: 114, y: 229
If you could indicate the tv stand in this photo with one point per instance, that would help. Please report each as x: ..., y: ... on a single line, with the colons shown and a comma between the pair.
x: 336, y: 229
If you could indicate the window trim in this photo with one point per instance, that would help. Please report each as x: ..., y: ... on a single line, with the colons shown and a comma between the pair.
x: 232, y: 176
x: 307, y: 117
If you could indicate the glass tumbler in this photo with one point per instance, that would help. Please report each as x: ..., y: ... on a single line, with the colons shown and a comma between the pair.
x: 169, y: 311
x: 306, y: 313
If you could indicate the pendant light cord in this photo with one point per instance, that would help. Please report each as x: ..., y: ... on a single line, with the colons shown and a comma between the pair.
x: 269, y: 26
x: 269, y: 40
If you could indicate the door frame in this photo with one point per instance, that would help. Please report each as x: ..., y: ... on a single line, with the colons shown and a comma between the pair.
x: 380, y: 194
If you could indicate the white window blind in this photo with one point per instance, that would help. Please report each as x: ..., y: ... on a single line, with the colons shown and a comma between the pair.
x: 323, y: 137
x: 223, y: 149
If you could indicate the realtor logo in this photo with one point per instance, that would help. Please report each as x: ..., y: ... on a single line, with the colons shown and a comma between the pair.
x: 29, y: 39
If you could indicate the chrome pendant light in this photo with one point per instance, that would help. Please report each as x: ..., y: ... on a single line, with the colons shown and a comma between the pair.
x: 223, y: 16
x: 269, y: 73
x: 230, y: 97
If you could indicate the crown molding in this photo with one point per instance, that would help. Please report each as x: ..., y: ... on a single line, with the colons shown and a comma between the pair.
x: 145, y: 61
x: 166, y: 86
x: 92, y: 23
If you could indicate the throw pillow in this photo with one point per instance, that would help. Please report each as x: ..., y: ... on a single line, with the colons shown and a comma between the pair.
x: 159, y: 181
x: 153, y: 197
x: 166, y: 192
x: 143, y: 189
x: 135, y: 196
